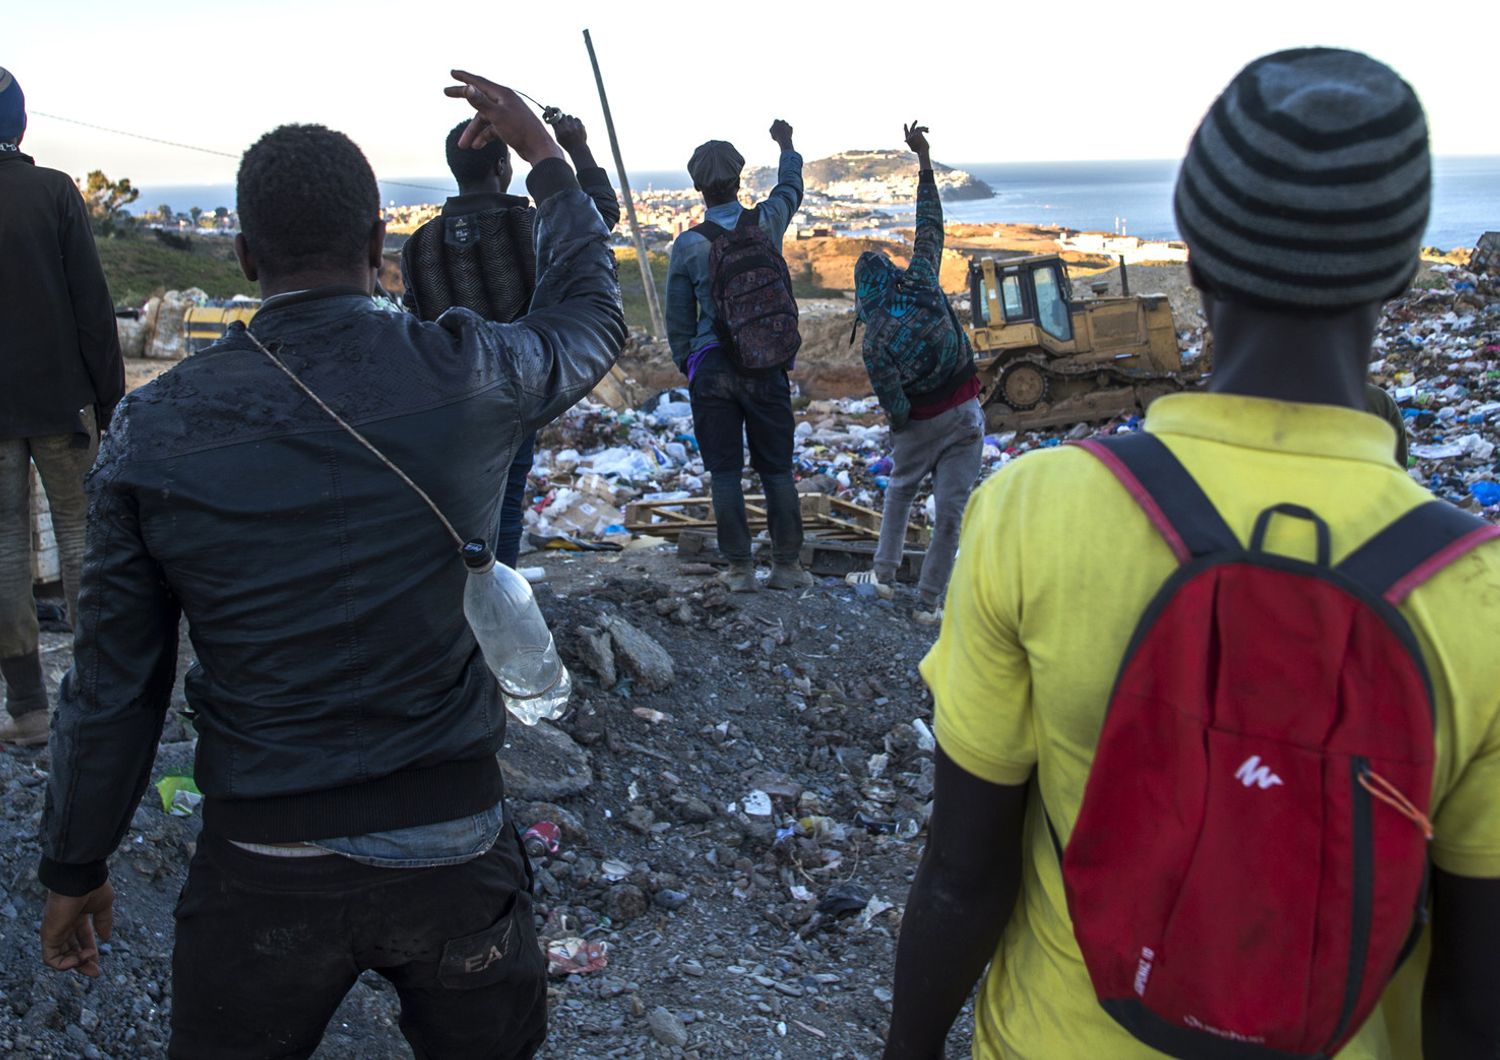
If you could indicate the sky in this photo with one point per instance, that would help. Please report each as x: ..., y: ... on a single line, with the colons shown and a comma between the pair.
x: 996, y: 82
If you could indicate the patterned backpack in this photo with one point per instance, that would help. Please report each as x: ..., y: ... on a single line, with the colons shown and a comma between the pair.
x: 751, y: 289
x: 484, y: 261
x: 913, y: 323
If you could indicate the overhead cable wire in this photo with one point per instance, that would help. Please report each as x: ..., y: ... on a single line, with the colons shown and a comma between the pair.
x: 195, y: 147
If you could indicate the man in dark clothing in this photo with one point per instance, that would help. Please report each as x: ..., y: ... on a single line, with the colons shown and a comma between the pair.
x: 731, y: 408
x: 60, y: 377
x: 479, y: 254
x: 348, y: 724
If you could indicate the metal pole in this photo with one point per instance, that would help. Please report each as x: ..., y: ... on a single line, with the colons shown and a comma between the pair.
x: 658, y: 328
x: 1124, y: 278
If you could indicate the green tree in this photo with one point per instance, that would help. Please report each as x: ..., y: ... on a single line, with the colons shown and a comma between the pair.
x: 196, y: 212
x: 221, y: 215
x: 164, y: 214
x: 106, y: 200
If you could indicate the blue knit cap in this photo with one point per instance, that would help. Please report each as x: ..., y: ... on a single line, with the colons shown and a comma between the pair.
x: 12, y: 108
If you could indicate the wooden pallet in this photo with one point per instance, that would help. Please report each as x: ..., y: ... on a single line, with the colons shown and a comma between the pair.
x: 824, y: 557
x: 828, y: 518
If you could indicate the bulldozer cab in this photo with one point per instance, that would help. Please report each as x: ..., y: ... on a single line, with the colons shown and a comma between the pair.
x: 1045, y: 358
x: 1030, y: 291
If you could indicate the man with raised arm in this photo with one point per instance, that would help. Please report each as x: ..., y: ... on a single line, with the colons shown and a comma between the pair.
x: 480, y: 253
x: 922, y: 369
x: 353, y: 816
x: 737, y: 375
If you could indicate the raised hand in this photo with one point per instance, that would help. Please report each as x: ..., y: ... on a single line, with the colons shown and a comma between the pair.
x: 781, y: 132
x: 502, y: 115
x: 916, y: 137
x: 571, y: 134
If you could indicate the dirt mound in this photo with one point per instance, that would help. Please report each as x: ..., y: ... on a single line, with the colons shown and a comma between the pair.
x: 828, y: 261
x: 1169, y: 279
x: 828, y: 366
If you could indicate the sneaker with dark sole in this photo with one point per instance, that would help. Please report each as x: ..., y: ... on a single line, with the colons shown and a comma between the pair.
x: 924, y: 617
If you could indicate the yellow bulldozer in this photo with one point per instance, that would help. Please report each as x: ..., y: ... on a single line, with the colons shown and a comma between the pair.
x: 205, y: 325
x: 1046, y: 359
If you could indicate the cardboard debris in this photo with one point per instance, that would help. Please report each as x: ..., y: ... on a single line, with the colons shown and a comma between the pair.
x: 576, y: 956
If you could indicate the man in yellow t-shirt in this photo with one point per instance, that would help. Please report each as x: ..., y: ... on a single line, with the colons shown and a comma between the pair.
x: 1057, y: 563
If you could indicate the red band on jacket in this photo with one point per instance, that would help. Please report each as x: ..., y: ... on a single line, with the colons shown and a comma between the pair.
x: 1398, y: 593
x: 1144, y: 499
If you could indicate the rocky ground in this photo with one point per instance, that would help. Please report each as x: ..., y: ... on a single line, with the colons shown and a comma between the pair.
x: 739, y: 812
x: 741, y: 781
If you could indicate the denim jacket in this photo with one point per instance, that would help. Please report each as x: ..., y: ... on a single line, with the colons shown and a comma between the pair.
x: 690, y: 310
x: 424, y: 845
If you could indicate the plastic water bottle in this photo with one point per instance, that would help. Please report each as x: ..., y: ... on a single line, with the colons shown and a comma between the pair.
x: 514, y: 638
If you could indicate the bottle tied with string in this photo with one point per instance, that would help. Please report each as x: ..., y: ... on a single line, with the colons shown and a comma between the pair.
x: 513, y: 636
x: 498, y: 603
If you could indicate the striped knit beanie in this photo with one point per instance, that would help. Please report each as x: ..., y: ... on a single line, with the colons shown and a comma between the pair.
x: 1308, y: 184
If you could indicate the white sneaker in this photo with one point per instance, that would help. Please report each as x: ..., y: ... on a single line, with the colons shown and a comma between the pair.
x: 855, y: 579
x: 928, y: 618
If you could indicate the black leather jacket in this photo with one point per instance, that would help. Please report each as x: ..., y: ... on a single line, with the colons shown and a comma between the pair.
x: 338, y: 689
x: 57, y: 323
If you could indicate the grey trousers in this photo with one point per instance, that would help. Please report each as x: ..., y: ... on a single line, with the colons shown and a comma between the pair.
x: 948, y: 447
x: 62, y: 461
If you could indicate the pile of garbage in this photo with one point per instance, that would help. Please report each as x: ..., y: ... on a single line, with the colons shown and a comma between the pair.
x: 595, y: 460
x: 1438, y: 354
x: 161, y: 331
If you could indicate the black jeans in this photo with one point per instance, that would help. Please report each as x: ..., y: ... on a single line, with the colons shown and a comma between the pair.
x: 513, y: 504
x: 730, y: 409
x: 267, y: 948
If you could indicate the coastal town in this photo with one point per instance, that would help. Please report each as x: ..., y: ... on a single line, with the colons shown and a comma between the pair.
x: 853, y: 193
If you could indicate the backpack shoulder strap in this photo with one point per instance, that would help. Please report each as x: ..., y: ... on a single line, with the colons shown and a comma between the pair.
x: 709, y: 230
x: 748, y: 218
x: 1415, y: 547
x: 1175, y: 504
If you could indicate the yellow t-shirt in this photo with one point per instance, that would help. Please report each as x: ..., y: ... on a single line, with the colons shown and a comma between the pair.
x: 1055, y: 568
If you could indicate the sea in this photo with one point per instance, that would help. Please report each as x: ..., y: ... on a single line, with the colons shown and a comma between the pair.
x: 1130, y: 196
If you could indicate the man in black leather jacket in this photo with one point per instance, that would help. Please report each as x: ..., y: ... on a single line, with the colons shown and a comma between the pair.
x: 347, y: 723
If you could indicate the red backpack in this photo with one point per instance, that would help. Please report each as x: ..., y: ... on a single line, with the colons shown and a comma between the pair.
x: 1249, y: 865
x: 755, y: 312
